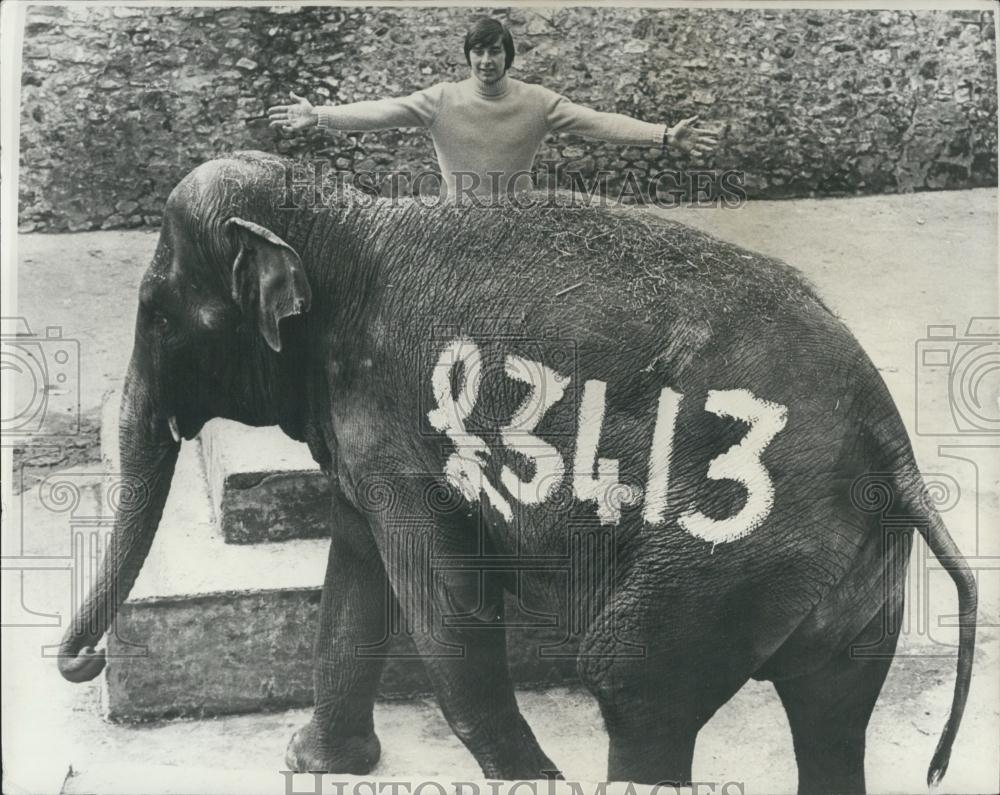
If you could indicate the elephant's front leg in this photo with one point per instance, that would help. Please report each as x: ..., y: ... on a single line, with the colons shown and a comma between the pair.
x: 354, y: 612
x: 456, y: 618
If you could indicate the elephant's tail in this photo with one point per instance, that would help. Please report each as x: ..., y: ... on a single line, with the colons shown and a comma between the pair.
x: 916, y: 502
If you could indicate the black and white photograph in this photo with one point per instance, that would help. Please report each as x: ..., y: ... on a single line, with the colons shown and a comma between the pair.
x: 415, y: 398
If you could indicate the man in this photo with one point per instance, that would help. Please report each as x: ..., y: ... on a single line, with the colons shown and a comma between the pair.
x: 487, y: 129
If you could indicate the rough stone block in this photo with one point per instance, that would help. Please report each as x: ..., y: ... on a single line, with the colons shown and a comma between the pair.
x: 264, y: 486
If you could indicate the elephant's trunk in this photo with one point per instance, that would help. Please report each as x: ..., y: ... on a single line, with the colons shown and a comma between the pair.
x: 148, y: 453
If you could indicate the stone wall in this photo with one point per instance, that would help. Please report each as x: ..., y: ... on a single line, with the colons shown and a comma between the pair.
x: 119, y: 102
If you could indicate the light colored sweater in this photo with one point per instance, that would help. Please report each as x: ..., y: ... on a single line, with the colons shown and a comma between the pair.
x: 479, y: 129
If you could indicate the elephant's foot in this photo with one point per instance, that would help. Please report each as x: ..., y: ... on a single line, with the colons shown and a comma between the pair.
x: 309, y: 753
x: 531, y: 765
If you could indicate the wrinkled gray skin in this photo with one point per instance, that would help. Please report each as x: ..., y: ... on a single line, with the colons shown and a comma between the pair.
x: 328, y: 324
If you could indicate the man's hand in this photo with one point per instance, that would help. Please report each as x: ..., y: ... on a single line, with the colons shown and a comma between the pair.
x: 293, y: 117
x: 697, y: 140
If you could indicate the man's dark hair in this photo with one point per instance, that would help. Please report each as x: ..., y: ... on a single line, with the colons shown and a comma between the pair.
x: 484, y: 32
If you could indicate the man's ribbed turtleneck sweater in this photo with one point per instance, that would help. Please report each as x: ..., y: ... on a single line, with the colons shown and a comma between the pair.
x: 479, y: 128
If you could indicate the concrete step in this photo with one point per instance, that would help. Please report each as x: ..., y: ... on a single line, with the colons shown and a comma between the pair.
x: 212, y: 628
x: 263, y: 485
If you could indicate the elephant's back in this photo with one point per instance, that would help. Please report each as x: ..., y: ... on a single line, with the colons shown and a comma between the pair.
x: 629, y: 261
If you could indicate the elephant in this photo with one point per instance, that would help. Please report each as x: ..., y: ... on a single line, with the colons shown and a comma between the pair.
x: 662, y: 435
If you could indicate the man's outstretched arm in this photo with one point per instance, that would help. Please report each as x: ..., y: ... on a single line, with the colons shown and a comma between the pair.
x: 416, y: 110
x: 686, y: 136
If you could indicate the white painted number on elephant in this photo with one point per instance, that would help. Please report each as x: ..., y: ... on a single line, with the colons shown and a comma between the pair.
x: 464, y: 467
x: 741, y: 463
x: 596, y: 479
x: 547, y: 388
x: 604, y: 489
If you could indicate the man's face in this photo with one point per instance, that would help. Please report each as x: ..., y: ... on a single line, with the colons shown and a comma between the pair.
x: 487, y: 61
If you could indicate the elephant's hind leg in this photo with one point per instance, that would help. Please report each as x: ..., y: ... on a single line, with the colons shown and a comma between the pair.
x: 653, y: 724
x: 828, y: 710
x: 655, y: 702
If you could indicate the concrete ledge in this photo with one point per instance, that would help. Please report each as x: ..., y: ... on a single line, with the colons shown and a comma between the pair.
x: 264, y: 486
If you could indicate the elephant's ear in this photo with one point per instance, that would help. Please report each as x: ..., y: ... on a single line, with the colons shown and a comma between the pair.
x: 269, y: 264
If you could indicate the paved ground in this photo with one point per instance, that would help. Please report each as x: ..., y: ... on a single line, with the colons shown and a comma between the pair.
x: 890, y: 266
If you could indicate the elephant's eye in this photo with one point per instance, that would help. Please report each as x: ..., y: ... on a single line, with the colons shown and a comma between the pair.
x: 160, y: 320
